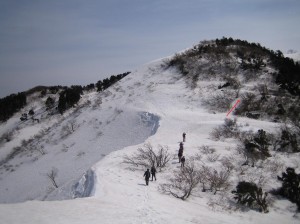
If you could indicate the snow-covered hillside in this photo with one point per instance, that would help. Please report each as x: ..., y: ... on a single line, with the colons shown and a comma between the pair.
x: 70, y: 144
x: 86, y: 147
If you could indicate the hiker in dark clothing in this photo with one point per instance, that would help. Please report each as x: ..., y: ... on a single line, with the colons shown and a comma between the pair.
x: 147, y: 176
x: 183, y: 136
x: 180, y: 155
x: 181, y: 146
x: 182, y: 161
x: 153, y: 172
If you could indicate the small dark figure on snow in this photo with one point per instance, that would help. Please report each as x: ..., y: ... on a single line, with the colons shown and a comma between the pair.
x: 147, y: 176
x: 183, y: 136
x: 182, y: 161
x: 181, y: 146
x: 153, y: 172
x: 180, y: 155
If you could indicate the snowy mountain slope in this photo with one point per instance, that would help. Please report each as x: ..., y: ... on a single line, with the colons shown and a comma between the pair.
x: 129, y: 113
x: 98, y: 130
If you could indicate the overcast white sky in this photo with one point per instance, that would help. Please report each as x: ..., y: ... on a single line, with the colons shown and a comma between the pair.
x: 64, y: 42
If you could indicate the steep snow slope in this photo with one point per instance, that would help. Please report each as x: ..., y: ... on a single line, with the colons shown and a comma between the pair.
x: 98, y: 128
x: 129, y: 113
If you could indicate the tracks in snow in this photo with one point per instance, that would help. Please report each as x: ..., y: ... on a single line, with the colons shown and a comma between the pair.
x: 146, y: 211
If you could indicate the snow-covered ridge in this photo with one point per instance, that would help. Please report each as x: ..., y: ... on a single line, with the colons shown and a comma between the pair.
x: 155, y: 105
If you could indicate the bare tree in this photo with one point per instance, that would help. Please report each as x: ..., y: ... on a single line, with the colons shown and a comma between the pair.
x: 52, y: 174
x: 148, y: 157
x: 229, y: 129
x: 143, y: 157
x: 227, y: 163
x: 203, y: 177
x: 183, y: 183
x: 162, y: 157
x: 213, y: 180
x: 220, y: 100
x: 218, y: 181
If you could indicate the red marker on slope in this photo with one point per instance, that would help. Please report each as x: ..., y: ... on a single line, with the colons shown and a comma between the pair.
x: 237, y: 102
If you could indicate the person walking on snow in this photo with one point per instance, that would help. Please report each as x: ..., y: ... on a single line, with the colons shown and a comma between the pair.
x: 183, y: 136
x: 180, y: 155
x: 181, y: 146
x: 180, y: 151
x: 153, y: 172
x: 147, y: 176
x: 182, y: 161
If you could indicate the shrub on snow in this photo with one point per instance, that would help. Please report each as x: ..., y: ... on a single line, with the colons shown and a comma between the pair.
x: 290, y: 188
x: 249, y: 194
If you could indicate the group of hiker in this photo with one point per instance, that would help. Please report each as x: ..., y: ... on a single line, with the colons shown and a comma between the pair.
x: 147, y: 174
x: 181, y: 158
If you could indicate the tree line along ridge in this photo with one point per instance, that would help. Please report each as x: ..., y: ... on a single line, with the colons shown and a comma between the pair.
x: 68, y: 96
